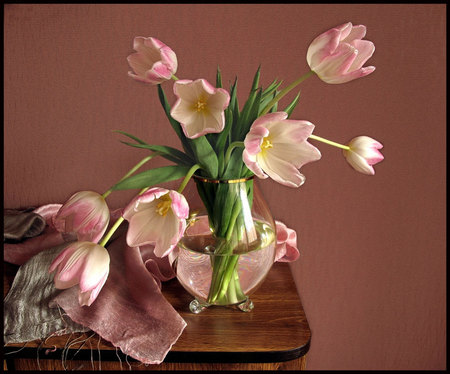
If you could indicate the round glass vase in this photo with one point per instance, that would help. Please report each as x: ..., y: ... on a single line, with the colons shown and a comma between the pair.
x: 228, y: 246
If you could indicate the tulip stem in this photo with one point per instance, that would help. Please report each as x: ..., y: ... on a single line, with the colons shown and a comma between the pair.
x: 111, y: 231
x: 116, y: 225
x: 188, y: 176
x: 329, y: 142
x: 285, y: 91
x: 174, y: 77
x: 136, y: 167
x: 230, y: 149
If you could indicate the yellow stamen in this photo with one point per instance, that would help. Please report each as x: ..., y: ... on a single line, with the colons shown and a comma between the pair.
x: 266, y: 143
x: 164, y: 205
x: 200, y: 106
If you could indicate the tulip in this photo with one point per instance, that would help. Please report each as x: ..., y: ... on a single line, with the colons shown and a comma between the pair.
x: 86, y: 214
x: 154, y: 62
x: 363, y: 153
x: 157, y: 217
x: 276, y: 147
x: 286, y: 246
x: 85, y: 264
x: 337, y: 56
x: 199, y: 107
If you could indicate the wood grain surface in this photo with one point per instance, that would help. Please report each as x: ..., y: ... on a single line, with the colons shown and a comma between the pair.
x: 275, y: 334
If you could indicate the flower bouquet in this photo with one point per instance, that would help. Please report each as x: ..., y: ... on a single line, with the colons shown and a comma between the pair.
x: 223, y: 250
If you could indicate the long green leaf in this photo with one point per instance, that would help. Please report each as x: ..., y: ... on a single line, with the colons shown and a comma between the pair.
x: 218, y: 78
x: 130, y: 136
x: 170, y: 153
x: 205, y: 156
x: 290, y: 108
x: 152, y: 177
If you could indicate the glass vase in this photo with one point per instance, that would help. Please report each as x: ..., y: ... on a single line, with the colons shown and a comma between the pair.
x: 228, y: 247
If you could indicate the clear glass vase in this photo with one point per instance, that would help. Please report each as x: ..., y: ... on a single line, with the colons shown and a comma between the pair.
x: 229, y: 244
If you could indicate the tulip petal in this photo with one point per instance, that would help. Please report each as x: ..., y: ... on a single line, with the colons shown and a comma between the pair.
x: 363, y: 153
x: 281, y: 171
x: 340, y: 59
x: 153, y: 62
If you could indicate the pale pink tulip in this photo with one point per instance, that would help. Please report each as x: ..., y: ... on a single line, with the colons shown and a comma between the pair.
x: 86, y: 214
x: 199, y: 107
x: 286, y: 247
x: 156, y: 217
x: 337, y: 55
x: 85, y: 264
x: 277, y: 147
x: 154, y: 62
x: 363, y: 153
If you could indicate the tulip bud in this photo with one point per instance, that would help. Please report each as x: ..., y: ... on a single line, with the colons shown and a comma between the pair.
x: 85, y: 213
x: 154, y: 62
x: 337, y: 55
x: 85, y: 264
x: 363, y: 153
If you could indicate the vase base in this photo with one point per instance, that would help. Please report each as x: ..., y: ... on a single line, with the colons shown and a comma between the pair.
x: 246, y: 306
x: 197, y: 306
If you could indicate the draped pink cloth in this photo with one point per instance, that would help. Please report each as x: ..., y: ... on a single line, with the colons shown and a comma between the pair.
x: 130, y: 311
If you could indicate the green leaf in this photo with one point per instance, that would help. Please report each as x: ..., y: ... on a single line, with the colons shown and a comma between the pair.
x: 271, y: 88
x: 223, y: 136
x: 255, y: 83
x: 234, y: 166
x: 249, y: 113
x: 152, y: 177
x: 170, y: 153
x: 218, y: 78
x: 130, y: 136
x: 289, y: 109
x: 205, y: 156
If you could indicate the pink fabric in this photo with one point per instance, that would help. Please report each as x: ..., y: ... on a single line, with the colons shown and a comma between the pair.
x: 20, y: 253
x: 130, y: 311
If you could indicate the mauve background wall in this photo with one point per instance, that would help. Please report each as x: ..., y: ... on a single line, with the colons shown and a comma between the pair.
x: 372, y: 271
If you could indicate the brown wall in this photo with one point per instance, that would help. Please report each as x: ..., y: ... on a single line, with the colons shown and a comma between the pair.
x: 372, y: 271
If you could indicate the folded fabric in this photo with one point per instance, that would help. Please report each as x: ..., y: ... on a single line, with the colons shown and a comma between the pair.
x: 130, y: 311
x: 27, y: 315
x: 20, y: 224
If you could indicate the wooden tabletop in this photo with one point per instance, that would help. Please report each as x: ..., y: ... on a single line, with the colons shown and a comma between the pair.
x: 275, y: 330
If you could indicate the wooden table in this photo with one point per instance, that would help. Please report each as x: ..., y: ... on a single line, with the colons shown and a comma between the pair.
x: 275, y: 335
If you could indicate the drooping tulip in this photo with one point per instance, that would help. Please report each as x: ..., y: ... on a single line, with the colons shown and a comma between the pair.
x: 199, y: 107
x: 338, y: 55
x: 86, y: 214
x: 85, y: 264
x: 154, y: 62
x: 363, y: 153
x: 286, y: 246
x: 277, y: 147
x: 157, y: 217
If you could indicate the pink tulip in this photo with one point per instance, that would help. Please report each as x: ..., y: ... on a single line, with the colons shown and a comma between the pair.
x: 276, y: 147
x: 86, y: 214
x: 337, y: 56
x: 199, y: 107
x: 363, y: 153
x: 85, y: 264
x: 156, y: 217
x: 286, y: 247
x: 154, y: 62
